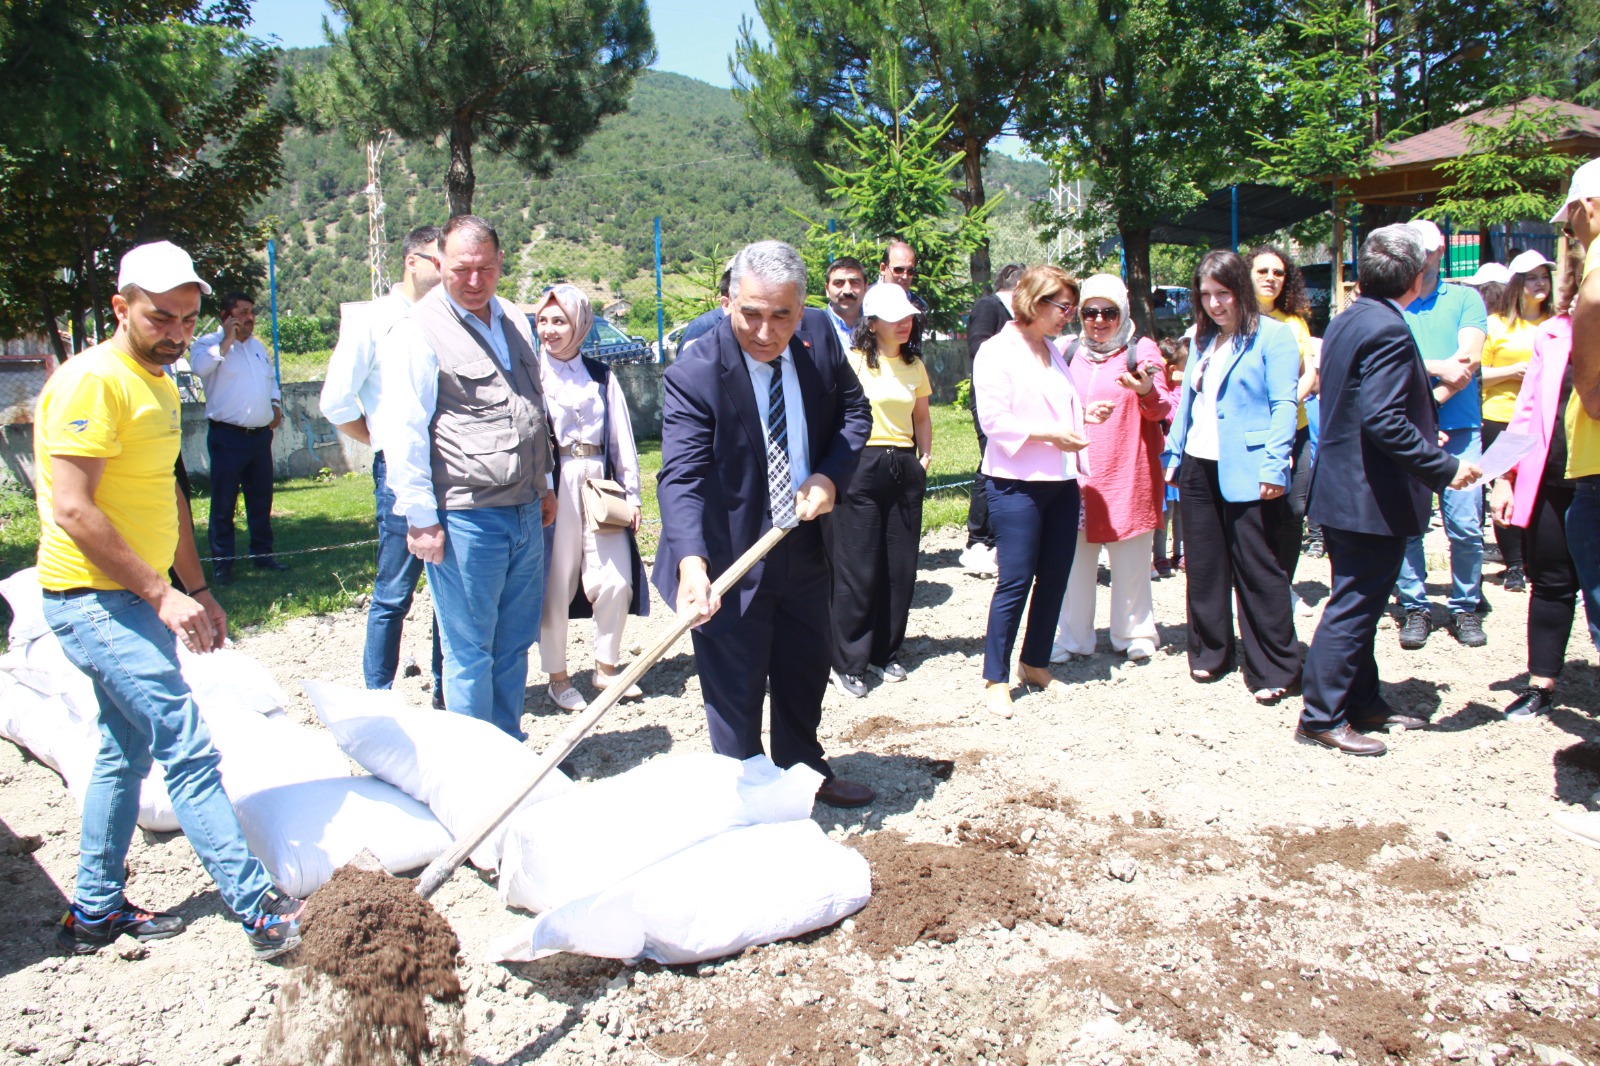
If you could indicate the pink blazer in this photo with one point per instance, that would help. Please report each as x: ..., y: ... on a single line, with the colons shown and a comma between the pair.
x: 1016, y: 397
x: 1536, y: 413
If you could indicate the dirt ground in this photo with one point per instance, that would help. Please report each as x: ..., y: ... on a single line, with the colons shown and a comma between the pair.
x: 1148, y: 871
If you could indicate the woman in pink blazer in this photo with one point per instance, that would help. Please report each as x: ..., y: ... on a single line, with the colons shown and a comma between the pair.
x: 1034, y: 420
x: 1535, y: 494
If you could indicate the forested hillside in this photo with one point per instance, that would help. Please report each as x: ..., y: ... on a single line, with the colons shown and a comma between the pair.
x: 681, y: 151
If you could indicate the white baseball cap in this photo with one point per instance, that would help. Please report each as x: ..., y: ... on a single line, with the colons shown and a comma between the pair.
x: 1432, y: 239
x: 1528, y: 262
x: 158, y: 267
x: 1585, y: 186
x: 1490, y: 274
x: 887, y: 302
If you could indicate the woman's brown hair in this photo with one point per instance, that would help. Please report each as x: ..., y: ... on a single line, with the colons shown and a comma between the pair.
x: 1036, y: 283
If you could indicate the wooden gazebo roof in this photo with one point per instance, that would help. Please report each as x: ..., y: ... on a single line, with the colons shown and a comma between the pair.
x: 1407, y: 173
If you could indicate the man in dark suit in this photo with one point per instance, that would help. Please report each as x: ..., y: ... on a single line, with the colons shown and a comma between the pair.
x: 987, y: 317
x: 1378, y: 467
x: 762, y: 424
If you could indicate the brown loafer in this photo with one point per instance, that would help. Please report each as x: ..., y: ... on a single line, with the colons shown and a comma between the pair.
x: 837, y: 792
x: 1341, y: 738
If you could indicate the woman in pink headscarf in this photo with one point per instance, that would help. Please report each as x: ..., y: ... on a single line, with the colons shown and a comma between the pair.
x: 590, y: 572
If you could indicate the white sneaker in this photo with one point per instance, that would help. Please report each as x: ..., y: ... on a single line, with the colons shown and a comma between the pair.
x: 1301, y: 607
x: 979, y: 560
x: 1140, y: 649
x: 1059, y: 655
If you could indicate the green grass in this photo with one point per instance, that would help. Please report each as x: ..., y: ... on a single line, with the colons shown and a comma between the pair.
x: 19, y: 540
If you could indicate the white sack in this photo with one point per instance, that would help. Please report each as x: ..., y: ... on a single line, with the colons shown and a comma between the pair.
x: 745, y: 887
x: 304, y: 832
x: 230, y: 676
x: 464, y: 769
x: 261, y: 752
x: 596, y: 835
x: 22, y: 592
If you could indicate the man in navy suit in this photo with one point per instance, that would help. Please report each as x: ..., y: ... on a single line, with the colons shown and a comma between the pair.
x: 762, y: 423
x: 1378, y: 467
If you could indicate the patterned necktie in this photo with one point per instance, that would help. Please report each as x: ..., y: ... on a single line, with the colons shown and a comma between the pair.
x: 780, y: 485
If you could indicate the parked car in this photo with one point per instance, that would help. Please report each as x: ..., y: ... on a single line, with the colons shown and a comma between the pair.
x: 1170, y: 306
x: 609, y: 344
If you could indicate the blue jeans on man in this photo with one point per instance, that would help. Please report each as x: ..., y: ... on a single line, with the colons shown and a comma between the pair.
x: 392, y: 591
x: 1462, y: 510
x: 1583, y: 543
x: 488, y: 594
x: 146, y: 713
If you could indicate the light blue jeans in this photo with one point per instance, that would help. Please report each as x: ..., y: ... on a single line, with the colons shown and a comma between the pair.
x: 1583, y: 543
x: 1462, y: 511
x: 488, y: 594
x: 146, y: 712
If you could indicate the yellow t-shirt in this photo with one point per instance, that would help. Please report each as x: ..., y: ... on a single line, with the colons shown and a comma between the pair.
x: 1302, y: 337
x: 893, y: 390
x: 102, y: 404
x: 1507, y: 345
x: 1583, y: 432
x: 1591, y: 260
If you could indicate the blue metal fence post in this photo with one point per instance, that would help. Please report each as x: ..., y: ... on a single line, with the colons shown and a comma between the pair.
x: 1235, y: 198
x: 832, y: 228
x: 661, y: 313
x: 272, y: 287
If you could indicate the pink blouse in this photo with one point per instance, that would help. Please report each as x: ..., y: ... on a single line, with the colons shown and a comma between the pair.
x: 1016, y: 397
x: 1123, y: 496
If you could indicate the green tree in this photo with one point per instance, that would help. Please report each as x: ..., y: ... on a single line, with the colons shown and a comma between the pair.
x: 970, y: 61
x: 527, y: 78
x: 1153, y: 106
x: 1512, y: 172
x: 899, y: 182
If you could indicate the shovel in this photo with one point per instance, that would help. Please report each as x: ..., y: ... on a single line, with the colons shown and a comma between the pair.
x: 439, y: 871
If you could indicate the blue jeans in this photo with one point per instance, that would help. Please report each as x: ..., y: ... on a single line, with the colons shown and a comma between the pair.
x: 146, y: 712
x: 392, y: 591
x: 1583, y: 542
x: 488, y: 594
x: 1036, y: 534
x: 1463, y: 524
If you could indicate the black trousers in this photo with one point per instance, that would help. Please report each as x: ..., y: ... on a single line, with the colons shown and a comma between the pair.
x: 877, y: 530
x: 784, y: 637
x: 240, y: 462
x: 1552, y: 580
x: 1510, y: 539
x: 1341, y: 675
x: 1292, y: 530
x: 1231, y: 553
x: 979, y: 529
x: 1036, y: 525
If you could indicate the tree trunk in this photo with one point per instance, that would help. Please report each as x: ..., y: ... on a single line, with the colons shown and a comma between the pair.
x: 52, y: 329
x: 972, y: 169
x: 1136, y: 247
x: 459, y: 180
x: 93, y: 278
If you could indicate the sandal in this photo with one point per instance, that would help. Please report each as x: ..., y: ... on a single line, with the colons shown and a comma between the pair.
x: 1267, y: 696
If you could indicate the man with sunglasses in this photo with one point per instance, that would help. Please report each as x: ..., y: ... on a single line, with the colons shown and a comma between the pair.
x: 899, y: 266
x: 349, y: 396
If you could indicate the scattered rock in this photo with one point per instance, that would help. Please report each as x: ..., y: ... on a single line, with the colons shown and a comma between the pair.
x: 1453, y: 1046
x: 1518, y: 953
x: 903, y: 971
x: 1124, y: 870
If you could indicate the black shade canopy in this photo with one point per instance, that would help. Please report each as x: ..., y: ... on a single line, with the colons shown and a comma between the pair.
x: 1262, y: 209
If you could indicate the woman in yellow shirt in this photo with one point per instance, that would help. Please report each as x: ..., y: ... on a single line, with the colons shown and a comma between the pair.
x: 877, y: 522
x: 1528, y: 303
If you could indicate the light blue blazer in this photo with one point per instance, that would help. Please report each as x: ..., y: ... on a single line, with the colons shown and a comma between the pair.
x: 1256, y: 411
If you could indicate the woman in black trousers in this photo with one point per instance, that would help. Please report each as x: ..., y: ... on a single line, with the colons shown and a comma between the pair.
x: 877, y: 523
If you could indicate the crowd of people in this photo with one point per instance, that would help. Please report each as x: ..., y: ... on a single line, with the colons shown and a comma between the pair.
x: 505, y: 467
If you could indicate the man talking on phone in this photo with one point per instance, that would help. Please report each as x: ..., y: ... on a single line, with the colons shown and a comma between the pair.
x: 243, y: 407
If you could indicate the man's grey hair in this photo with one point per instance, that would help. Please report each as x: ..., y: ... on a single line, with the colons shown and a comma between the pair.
x: 1391, y: 259
x: 774, y: 262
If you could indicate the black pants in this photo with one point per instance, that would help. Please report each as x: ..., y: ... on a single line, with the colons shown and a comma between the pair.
x: 1292, y: 530
x: 240, y: 461
x: 1552, y: 580
x: 783, y: 637
x: 1036, y: 535
x: 1341, y: 675
x: 1509, y: 538
x: 877, y: 529
x: 1231, y: 553
x: 979, y: 529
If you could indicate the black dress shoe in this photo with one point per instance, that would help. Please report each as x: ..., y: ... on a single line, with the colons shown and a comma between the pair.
x: 438, y: 700
x: 267, y: 562
x: 222, y: 574
x: 837, y: 792
x: 1381, y: 721
x: 1341, y: 738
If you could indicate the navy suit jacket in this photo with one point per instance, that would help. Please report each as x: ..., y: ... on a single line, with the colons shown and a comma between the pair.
x: 713, y: 482
x: 1378, y: 458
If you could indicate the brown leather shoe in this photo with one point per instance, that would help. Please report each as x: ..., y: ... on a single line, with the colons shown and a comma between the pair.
x: 1384, y: 722
x: 1341, y: 738
x: 837, y: 792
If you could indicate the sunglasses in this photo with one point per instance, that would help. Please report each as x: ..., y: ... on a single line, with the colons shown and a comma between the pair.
x: 1058, y: 305
x: 902, y: 271
x: 1276, y: 272
x: 1107, y: 314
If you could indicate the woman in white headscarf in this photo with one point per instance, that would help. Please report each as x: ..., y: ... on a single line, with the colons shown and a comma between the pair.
x: 1123, y: 492
x: 589, y: 571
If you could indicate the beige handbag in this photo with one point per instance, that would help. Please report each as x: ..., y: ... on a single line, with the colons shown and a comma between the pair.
x: 605, y: 505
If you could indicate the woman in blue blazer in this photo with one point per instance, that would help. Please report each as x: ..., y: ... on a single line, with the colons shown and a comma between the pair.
x: 1228, y: 453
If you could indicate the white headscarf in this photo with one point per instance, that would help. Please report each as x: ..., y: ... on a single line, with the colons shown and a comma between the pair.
x: 572, y: 302
x: 1107, y: 287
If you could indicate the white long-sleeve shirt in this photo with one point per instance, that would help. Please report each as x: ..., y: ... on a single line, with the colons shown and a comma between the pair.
x: 572, y: 401
x: 353, y: 386
x: 240, y: 386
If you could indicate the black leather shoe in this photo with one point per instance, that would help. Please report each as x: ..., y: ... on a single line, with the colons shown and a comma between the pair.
x: 267, y: 562
x: 1341, y: 738
x: 837, y: 792
x: 1382, y: 722
x: 1414, y: 632
x: 438, y: 699
x: 222, y: 574
x: 1531, y: 704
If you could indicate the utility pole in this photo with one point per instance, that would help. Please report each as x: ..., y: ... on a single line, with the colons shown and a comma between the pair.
x: 377, y: 241
x: 1066, y: 197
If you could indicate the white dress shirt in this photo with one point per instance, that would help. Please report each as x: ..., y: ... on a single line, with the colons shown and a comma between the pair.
x: 408, y: 371
x: 351, y: 389
x: 1201, y: 440
x: 842, y: 328
x: 572, y: 402
x: 240, y: 386
x: 794, y: 410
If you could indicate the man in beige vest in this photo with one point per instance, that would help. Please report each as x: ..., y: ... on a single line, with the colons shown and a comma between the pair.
x: 461, y: 417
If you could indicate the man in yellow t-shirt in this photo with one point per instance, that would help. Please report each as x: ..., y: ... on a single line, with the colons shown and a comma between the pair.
x: 106, y: 434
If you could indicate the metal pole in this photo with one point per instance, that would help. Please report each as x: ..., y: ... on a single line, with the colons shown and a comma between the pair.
x: 831, y: 229
x: 272, y: 286
x: 1235, y: 190
x: 661, y: 313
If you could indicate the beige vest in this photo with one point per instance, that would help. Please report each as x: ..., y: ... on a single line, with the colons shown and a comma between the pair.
x: 491, y: 445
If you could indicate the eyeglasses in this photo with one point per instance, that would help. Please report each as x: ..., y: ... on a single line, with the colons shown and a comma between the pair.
x: 1566, y: 230
x: 1107, y: 314
x: 1068, y: 308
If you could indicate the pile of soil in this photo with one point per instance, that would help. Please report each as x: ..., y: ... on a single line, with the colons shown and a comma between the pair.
x: 385, y: 953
